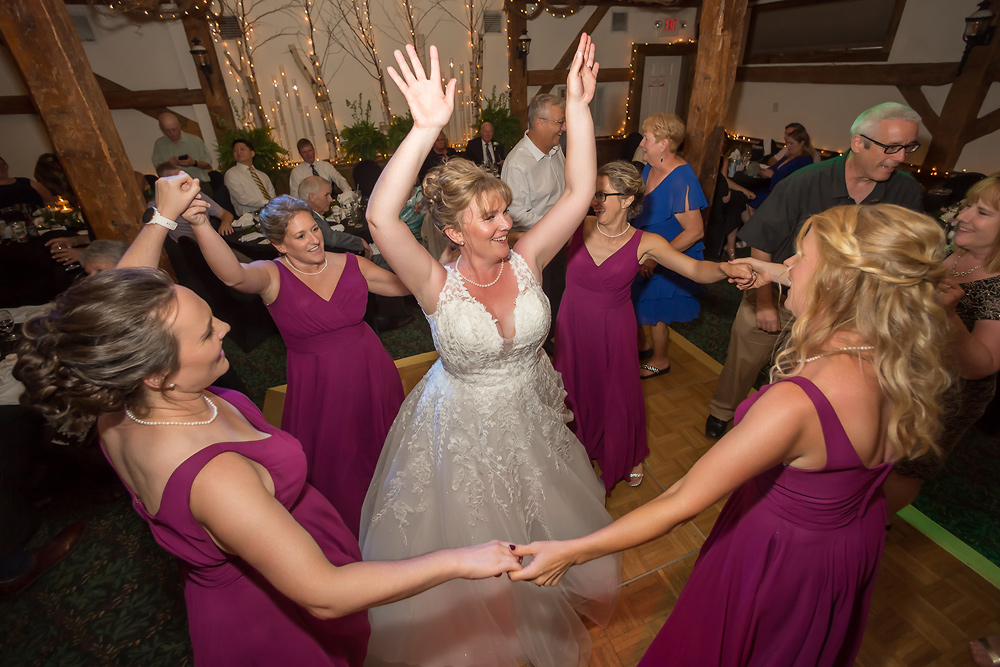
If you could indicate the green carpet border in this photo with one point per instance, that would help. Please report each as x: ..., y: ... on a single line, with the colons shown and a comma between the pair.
x: 956, y: 547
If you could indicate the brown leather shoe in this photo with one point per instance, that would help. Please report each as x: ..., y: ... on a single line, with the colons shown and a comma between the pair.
x: 58, y: 548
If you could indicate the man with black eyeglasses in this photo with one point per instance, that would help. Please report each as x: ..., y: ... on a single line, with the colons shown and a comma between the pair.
x: 881, y: 137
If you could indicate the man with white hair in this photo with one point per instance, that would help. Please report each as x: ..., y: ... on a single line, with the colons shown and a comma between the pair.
x: 318, y: 193
x: 881, y: 137
x: 181, y: 150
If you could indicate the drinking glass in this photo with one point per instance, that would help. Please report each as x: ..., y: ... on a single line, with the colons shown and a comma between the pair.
x: 6, y: 326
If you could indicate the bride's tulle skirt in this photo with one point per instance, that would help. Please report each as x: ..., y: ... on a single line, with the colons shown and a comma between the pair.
x: 469, y: 460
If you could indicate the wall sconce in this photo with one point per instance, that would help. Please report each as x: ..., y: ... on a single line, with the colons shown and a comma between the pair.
x: 523, y: 48
x: 978, y: 30
x: 200, y: 55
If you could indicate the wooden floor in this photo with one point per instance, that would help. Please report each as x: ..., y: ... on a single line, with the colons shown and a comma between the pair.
x: 927, y: 604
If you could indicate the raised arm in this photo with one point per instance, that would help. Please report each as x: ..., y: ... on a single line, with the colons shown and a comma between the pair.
x: 380, y: 281
x: 753, y: 446
x: 256, y: 278
x: 541, y: 243
x: 431, y: 109
x: 243, y: 518
x: 658, y: 249
x: 174, y: 195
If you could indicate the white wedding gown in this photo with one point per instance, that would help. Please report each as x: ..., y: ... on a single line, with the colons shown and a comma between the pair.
x: 479, y: 451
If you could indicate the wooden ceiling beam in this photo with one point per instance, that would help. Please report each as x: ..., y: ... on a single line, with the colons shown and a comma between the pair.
x: 547, y: 78
x: 561, y: 68
x: 916, y: 74
x: 119, y: 99
x: 915, y: 97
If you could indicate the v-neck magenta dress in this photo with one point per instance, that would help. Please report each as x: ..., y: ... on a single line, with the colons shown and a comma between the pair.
x: 343, y: 388
x: 786, y: 576
x: 595, y: 351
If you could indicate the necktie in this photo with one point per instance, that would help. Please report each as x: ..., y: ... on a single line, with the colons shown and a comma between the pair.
x: 313, y: 167
x: 260, y: 185
x: 489, y: 154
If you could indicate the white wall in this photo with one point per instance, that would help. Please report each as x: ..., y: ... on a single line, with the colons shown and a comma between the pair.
x: 929, y: 31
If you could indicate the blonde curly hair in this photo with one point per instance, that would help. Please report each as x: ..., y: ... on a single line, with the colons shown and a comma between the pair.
x: 450, y: 188
x: 877, y: 268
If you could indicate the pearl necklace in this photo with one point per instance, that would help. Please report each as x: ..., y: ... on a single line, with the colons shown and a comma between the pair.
x: 473, y: 281
x: 962, y: 274
x: 613, y: 236
x: 215, y: 413
x: 326, y: 260
x: 839, y: 349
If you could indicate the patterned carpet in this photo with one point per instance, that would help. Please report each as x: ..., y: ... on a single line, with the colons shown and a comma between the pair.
x: 118, y: 599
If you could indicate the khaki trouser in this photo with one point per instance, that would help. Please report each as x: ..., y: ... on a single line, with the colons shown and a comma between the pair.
x: 749, y: 349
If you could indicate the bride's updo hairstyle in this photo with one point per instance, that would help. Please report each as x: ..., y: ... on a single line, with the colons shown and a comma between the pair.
x: 450, y: 189
x: 89, y: 353
x: 625, y: 178
x: 877, y: 268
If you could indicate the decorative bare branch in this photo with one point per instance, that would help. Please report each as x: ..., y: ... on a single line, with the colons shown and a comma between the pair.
x: 352, y: 29
x: 472, y: 21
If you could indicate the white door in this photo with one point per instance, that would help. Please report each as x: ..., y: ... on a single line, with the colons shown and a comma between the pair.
x: 661, y: 79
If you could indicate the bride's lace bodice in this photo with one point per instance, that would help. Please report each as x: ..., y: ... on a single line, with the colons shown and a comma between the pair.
x: 466, y: 335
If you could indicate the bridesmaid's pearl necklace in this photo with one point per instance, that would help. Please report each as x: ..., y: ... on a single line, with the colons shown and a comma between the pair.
x: 840, y: 349
x: 468, y: 280
x: 326, y: 260
x: 613, y: 236
x: 215, y: 413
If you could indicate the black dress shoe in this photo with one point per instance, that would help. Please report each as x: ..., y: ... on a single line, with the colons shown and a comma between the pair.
x: 58, y: 548
x: 715, y: 428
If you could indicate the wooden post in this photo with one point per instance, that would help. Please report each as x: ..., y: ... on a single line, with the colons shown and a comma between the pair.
x: 958, y: 122
x: 720, y: 47
x: 44, y: 44
x: 216, y: 98
x: 517, y: 21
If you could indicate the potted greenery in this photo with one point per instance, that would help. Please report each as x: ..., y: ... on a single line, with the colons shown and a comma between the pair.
x: 362, y: 140
x: 506, y: 127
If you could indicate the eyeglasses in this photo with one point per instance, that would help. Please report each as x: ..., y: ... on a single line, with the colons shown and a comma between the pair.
x: 892, y: 149
x: 603, y: 196
x: 557, y: 122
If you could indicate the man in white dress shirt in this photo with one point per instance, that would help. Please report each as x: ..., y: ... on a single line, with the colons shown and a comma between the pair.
x: 535, y: 171
x: 310, y: 166
x: 250, y: 189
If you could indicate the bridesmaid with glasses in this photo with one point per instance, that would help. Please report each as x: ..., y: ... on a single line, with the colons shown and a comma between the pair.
x: 596, y: 329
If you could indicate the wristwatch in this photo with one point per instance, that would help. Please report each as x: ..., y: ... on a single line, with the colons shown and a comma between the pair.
x: 153, y: 217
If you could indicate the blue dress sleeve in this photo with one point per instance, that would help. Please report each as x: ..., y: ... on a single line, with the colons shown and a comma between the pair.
x: 685, y: 184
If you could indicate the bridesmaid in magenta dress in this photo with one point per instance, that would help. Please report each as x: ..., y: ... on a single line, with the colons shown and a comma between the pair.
x: 596, y: 330
x: 271, y: 573
x: 786, y: 576
x: 343, y: 388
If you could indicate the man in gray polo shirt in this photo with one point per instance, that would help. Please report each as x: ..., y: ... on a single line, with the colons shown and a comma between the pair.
x: 880, y: 139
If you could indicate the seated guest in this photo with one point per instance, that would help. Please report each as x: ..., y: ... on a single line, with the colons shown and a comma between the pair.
x: 271, y: 573
x: 50, y: 173
x: 484, y: 151
x: 22, y: 191
x: 318, y: 193
x: 181, y: 150
x: 440, y: 152
x: 102, y: 255
x: 249, y: 188
x: 789, y: 130
x: 215, y: 211
x: 310, y: 166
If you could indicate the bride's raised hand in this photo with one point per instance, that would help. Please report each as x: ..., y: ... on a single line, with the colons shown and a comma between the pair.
x: 582, y: 79
x: 429, y: 105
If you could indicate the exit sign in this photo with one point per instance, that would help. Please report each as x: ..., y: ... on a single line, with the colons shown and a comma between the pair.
x: 669, y: 25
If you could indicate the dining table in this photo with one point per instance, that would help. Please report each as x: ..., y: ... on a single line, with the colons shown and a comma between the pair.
x: 29, y: 275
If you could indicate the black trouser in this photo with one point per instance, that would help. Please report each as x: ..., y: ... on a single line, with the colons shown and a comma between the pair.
x: 554, y: 284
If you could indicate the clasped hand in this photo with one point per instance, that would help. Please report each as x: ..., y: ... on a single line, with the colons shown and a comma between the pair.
x: 180, y: 196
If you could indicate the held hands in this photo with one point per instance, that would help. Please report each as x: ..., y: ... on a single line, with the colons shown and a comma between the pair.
x: 741, y: 275
x: 490, y: 559
x: 582, y: 79
x: 647, y: 268
x: 550, y: 561
x: 174, y: 194
x: 429, y: 105
x: 197, y: 215
x: 763, y: 272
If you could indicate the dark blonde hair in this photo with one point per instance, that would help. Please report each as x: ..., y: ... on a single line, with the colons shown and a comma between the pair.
x: 89, y: 353
x: 625, y: 178
x: 877, y: 268
x: 278, y: 212
x: 450, y: 189
x: 987, y: 191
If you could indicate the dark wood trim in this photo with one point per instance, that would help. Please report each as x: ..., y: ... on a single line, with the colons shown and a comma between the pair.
x: 562, y: 66
x: 547, y: 78
x: 915, y: 97
x: 118, y: 99
x: 220, y: 108
x: 916, y: 74
x: 984, y: 125
x: 638, y: 69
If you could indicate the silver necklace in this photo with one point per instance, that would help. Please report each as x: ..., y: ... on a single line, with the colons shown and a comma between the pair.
x: 839, y: 349
x: 215, y: 413
x: 962, y: 274
x: 459, y: 262
x: 326, y: 260
x: 613, y: 236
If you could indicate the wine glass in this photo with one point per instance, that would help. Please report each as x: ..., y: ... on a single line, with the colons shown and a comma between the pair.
x: 7, y: 325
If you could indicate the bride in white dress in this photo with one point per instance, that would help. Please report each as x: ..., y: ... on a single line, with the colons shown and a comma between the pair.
x: 480, y: 448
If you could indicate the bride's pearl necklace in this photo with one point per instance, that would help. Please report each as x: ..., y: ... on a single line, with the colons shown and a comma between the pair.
x: 326, y: 260
x: 840, y: 349
x: 469, y: 280
x: 613, y: 236
x: 215, y: 413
